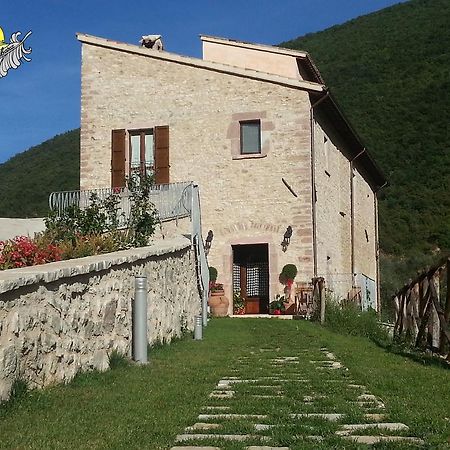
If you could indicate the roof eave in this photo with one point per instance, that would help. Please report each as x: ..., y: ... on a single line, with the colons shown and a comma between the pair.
x: 200, y: 63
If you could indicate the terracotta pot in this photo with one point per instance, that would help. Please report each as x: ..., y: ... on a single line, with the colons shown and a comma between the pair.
x: 218, y: 304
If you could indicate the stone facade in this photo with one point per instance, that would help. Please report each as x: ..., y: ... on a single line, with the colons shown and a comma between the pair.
x: 244, y: 199
x: 61, y: 318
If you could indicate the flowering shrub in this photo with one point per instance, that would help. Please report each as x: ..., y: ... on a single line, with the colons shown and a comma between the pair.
x: 77, y: 232
x: 277, y: 306
x: 238, y: 303
x: 23, y: 251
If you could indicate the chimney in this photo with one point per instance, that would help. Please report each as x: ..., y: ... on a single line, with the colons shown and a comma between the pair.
x: 153, y: 41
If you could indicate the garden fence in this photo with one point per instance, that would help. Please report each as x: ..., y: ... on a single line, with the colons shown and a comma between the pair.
x: 422, y: 309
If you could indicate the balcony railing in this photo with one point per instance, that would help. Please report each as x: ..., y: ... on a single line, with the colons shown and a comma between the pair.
x: 172, y: 201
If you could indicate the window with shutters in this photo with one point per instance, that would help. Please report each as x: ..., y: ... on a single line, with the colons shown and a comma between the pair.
x: 142, y: 157
x: 148, y: 153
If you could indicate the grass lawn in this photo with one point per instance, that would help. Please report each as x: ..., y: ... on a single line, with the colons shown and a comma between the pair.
x: 146, y: 407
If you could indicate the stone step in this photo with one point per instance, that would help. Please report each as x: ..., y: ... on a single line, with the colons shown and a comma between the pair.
x: 265, y: 447
x: 357, y: 386
x: 266, y: 386
x: 375, y: 416
x: 370, y: 440
x: 389, y: 426
x: 226, y: 437
x: 332, y: 417
x: 263, y: 426
x: 267, y: 396
x: 231, y: 416
x: 217, y: 408
x: 222, y: 394
x: 194, y: 447
x: 203, y: 426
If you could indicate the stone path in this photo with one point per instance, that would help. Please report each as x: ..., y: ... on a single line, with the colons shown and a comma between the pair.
x: 269, y: 400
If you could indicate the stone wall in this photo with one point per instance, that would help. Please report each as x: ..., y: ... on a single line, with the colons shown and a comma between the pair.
x: 61, y: 318
x: 10, y: 228
x: 334, y: 215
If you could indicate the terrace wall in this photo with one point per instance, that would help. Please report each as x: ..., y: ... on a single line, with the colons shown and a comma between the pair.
x: 61, y: 318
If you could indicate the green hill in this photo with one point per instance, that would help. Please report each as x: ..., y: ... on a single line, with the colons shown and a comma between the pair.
x: 390, y: 72
x: 27, y: 179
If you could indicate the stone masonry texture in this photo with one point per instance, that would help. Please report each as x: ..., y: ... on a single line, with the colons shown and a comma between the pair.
x: 243, y: 200
x: 61, y: 318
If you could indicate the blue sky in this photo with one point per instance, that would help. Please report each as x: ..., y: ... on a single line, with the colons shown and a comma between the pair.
x: 42, y: 98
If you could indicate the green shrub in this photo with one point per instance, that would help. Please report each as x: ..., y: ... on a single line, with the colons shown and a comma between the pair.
x: 212, y: 274
x: 347, y: 318
x: 143, y: 214
x: 289, y: 271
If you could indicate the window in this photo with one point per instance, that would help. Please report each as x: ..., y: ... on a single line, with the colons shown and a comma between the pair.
x: 148, y: 153
x: 250, y: 137
x: 142, y: 157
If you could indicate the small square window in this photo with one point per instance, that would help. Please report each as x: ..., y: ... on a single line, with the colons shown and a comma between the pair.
x: 250, y: 137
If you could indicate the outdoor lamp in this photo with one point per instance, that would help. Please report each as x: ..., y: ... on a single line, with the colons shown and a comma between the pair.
x: 208, y: 241
x: 286, y: 238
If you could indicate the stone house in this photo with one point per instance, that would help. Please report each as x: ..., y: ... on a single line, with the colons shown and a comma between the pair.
x: 258, y: 130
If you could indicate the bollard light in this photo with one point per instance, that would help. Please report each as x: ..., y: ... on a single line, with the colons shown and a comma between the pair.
x: 140, y: 320
x: 198, y: 328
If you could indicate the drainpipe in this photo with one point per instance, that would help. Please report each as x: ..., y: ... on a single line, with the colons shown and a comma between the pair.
x: 313, y: 178
x: 352, y: 214
x: 375, y: 201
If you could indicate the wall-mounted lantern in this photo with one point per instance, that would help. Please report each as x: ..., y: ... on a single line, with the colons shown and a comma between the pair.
x: 208, y: 241
x: 286, y: 238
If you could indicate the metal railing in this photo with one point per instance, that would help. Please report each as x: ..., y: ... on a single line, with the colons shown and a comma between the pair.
x: 172, y: 201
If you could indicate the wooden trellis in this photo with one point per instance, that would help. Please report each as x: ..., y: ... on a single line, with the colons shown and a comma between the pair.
x: 422, y: 309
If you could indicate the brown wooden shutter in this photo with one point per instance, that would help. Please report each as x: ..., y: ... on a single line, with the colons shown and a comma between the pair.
x: 161, y: 155
x: 118, y: 158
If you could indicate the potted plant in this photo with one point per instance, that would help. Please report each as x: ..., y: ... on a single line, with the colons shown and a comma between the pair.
x: 287, y: 275
x: 238, y: 304
x: 277, y: 307
x: 218, y: 303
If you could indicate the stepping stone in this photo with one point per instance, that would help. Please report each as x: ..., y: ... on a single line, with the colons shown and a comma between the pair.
x: 370, y: 440
x: 356, y: 386
x: 315, y: 438
x: 190, y: 447
x: 223, y: 386
x: 333, y: 365
x: 375, y: 416
x: 217, y: 408
x: 329, y: 355
x: 332, y: 417
x: 231, y: 416
x: 203, y: 426
x: 311, y: 398
x: 389, y: 426
x: 222, y: 394
x: 367, y: 397
x: 267, y: 396
x: 262, y: 350
x: 266, y: 386
x: 286, y: 380
x: 228, y: 383
x: 263, y: 426
x: 227, y: 437
x: 264, y: 447
x: 374, y: 404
